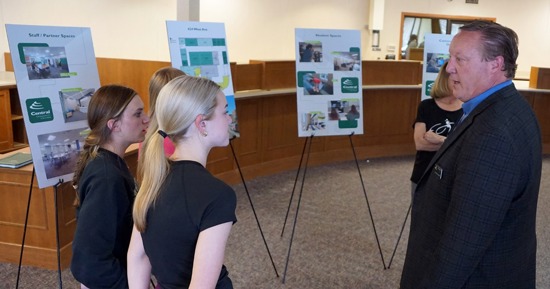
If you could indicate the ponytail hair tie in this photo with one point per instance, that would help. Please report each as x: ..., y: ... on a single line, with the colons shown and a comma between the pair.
x: 162, y: 133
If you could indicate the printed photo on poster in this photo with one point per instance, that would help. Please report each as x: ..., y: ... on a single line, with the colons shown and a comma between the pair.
x: 318, y: 83
x: 60, y: 151
x: 311, y: 51
x: 313, y: 121
x: 346, y: 61
x: 74, y: 103
x: 435, y: 61
x: 46, y: 62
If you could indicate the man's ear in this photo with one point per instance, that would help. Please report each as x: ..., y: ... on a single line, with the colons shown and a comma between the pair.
x: 498, y: 63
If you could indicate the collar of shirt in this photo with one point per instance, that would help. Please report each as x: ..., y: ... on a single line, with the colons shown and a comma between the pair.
x: 469, y: 106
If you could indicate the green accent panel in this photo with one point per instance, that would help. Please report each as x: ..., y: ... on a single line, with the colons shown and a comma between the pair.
x: 224, y: 55
x: 191, y: 42
x: 201, y: 58
x: 350, y: 85
x: 183, y: 55
x: 429, y: 85
x: 20, y: 47
x: 218, y: 42
x: 300, y: 79
x: 347, y: 123
x: 355, y: 49
x: 39, y: 109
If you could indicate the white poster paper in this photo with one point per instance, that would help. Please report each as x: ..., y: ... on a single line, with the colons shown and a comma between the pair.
x: 436, y: 53
x: 56, y: 74
x: 199, y: 49
x: 329, y: 82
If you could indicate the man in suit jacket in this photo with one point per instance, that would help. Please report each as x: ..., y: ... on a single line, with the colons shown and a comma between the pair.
x: 474, y: 210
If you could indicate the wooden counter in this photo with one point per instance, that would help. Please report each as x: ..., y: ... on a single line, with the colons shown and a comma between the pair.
x: 40, y: 241
x: 269, y: 141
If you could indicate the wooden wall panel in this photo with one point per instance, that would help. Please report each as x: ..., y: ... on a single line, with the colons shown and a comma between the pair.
x: 539, y: 78
x: 249, y: 145
x: 247, y: 77
x: 220, y: 160
x: 541, y: 105
x: 132, y: 73
x: 6, y: 137
x: 391, y: 72
x: 388, y: 111
x: 280, y: 130
x: 40, y: 242
x: 277, y: 73
x: 8, y: 64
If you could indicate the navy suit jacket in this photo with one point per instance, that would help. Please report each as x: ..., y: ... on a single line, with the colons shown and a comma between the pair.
x: 474, y: 209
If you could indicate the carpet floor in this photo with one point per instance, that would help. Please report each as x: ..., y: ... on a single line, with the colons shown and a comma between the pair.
x: 334, y: 244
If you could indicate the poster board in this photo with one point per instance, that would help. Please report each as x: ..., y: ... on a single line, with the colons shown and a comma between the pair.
x: 329, y: 82
x: 56, y: 75
x: 436, y: 52
x: 199, y: 49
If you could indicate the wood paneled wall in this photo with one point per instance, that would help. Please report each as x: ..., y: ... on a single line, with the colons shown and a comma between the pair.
x: 539, y: 78
x: 40, y: 240
x: 269, y: 141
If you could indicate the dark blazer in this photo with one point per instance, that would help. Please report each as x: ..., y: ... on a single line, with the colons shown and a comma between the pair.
x: 474, y: 210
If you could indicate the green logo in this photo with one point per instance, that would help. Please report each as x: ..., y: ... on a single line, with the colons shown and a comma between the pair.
x: 350, y: 85
x: 39, y: 109
x: 429, y: 85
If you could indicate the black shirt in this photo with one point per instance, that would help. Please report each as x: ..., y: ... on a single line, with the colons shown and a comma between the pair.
x: 191, y: 200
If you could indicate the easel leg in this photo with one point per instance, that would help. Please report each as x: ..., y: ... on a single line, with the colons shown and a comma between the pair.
x: 294, y: 187
x: 367, y: 199
x: 400, y: 233
x: 24, y: 230
x: 253, y: 210
x: 297, y: 210
x: 57, y: 234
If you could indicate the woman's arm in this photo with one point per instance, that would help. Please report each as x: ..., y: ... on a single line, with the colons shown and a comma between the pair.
x: 139, y: 267
x: 209, y: 255
x: 421, y: 140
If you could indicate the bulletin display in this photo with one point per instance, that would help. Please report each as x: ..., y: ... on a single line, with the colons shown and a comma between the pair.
x: 436, y: 53
x: 56, y: 74
x: 199, y: 49
x: 328, y: 82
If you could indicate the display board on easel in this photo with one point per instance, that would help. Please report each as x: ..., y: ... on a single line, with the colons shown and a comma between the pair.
x: 56, y: 75
x: 436, y: 53
x: 199, y: 49
x: 329, y: 82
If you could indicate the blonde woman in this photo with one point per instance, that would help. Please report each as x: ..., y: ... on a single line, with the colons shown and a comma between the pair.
x: 435, y: 119
x: 159, y: 79
x: 182, y: 214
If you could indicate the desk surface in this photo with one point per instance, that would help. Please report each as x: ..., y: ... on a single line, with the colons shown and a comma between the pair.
x: 7, y: 79
x: 132, y: 149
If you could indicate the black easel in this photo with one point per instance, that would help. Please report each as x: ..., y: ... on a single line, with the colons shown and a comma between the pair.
x: 310, y: 140
x: 366, y: 199
x: 400, y: 233
x: 57, y: 234
x: 25, y: 232
x: 252, y: 206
